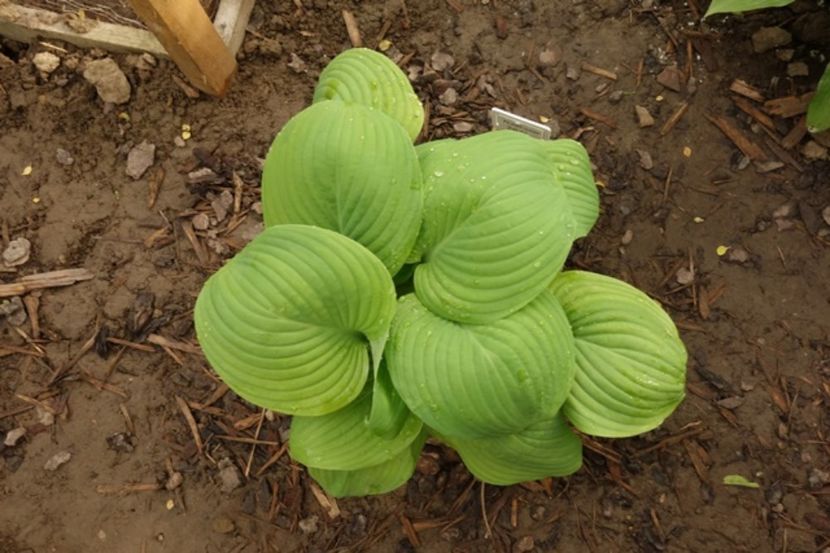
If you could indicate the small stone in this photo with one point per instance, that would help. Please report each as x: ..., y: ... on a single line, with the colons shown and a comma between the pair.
x: 63, y: 157
x: 222, y: 204
x: 767, y: 38
x: 17, y: 252
x: 646, y: 162
x: 818, y: 478
x: 296, y: 64
x: 441, y: 61
x: 549, y: 57
x: 46, y: 62
x: 524, y: 544
x: 14, y: 436
x: 57, y: 460
x: 121, y: 442
x: 644, y: 118
x: 572, y: 72
x: 627, y: 237
x: 463, y: 127
x: 449, y: 97
x: 179, y: 142
x: 174, y: 481
x: 785, y: 54
x: 200, y: 176
x: 672, y: 78
x: 813, y: 151
x: 308, y: 525
x: 110, y: 82
x: 784, y: 224
x: 615, y: 97
x: 731, y: 402
x: 13, y: 310
x: 798, y: 69
x: 222, y: 525
x: 737, y: 254
x: 140, y: 159
x: 768, y: 166
x: 685, y: 276
x: 44, y: 417
x: 201, y: 221
x: 825, y: 214
x: 229, y: 478
x: 788, y: 209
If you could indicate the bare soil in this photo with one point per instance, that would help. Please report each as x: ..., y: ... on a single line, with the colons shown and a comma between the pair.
x: 756, y: 320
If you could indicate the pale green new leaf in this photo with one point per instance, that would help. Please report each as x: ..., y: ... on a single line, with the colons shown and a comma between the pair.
x: 737, y: 6
x: 343, y: 440
x: 366, y: 77
x: 572, y: 171
x: 818, y: 113
x: 631, y: 364
x: 288, y: 323
x: 377, y: 479
x: 475, y: 381
x: 350, y: 169
x: 545, y: 448
x: 496, y: 228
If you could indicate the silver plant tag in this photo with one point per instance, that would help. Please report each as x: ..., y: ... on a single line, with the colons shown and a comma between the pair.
x: 501, y: 119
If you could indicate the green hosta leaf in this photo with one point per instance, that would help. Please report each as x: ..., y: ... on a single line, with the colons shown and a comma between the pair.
x: 818, y: 113
x: 381, y: 478
x: 631, y: 364
x: 343, y: 440
x: 476, y: 381
x: 545, y: 448
x: 572, y: 170
x: 350, y: 169
x: 737, y: 6
x: 495, y: 230
x: 388, y: 413
x: 288, y: 322
x: 369, y: 78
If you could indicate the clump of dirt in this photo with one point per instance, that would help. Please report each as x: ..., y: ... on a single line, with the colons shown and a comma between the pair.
x: 717, y: 210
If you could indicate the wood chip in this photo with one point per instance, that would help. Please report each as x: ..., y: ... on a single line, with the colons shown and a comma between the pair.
x: 125, y: 489
x: 329, y: 504
x: 788, y: 106
x: 745, y: 89
x: 672, y: 78
x: 52, y: 279
x: 744, y: 144
x: 198, y: 248
x: 746, y: 106
x: 409, y: 531
x: 796, y: 134
x: 674, y: 119
x: 599, y: 71
x: 191, y: 422
x: 154, y: 186
x: 644, y: 118
x: 174, y: 344
x: 604, y: 119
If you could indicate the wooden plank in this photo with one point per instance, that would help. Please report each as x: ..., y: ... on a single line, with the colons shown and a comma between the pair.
x: 186, y: 31
x: 28, y: 24
x: 231, y: 21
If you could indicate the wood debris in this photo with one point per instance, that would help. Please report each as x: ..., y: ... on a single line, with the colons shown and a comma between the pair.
x: 743, y: 88
x: 749, y: 148
x: 599, y: 71
x: 52, y: 279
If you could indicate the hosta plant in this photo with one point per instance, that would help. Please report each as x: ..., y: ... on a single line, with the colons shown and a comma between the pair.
x: 401, y: 293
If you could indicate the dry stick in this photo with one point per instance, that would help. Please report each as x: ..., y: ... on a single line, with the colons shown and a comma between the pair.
x: 53, y: 279
x: 748, y: 91
x: 191, y: 422
x: 8, y: 350
x: 599, y: 71
x: 352, y: 29
x: 124, y: 489
x: 128, y: 420
x: 132, y: 345
x: 58, y: 374
x: 487, y: 532
x: 253, y: 446
x: 32, y: 302
x: 246, y: 440
x: 101, y: 385
x: 17, y: 411
x: 113, y: 362
x: 174, y: 344
x: 745, y: 106
x: 745, y: 145
x: 674, y: 119
x: 591, y: 114
x: 274, y: 458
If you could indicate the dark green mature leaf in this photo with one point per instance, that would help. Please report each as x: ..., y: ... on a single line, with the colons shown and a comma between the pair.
x: 377, y: 479
x: 818, y: 113
x: 366, y: 77
x: 476, y: 381
x: 496, y: 229
x: 631, y: 363
x: 343, y: 440
x: 737, y: 6
x: 289, y: 322
x: 545, y: 448
x: 350, y: 169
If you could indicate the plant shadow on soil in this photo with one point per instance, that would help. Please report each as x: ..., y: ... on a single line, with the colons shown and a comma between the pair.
x: 755, y: 320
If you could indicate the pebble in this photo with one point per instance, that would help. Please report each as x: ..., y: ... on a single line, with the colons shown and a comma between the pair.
x: 685, y: 276
x: 572, y: 72
x: 174, y: 481
x: 121, y: 442
x: 463, y: 127
x: 627, y: 237
x: 644, y: 118
x: 767, y: 38
x: 63, y: 157
x: 222, y: 204
x: 788, y: 209
x: 818, y: 478
x: 798, y: 69
x: 14, y: 436
x: 549, y: 57
x: 140, y: 158
x: 201, y: 221
x: 785, y: 54
x: 524, y: 544
x: 308, y: 525
x: 17, y: 252
x: 199, y: 176
x: 296, y: 64
x: 223, y: 525
x: 441, y: 61
x: 229, y: 478
x: 58, y: 459
x: 825, y: 214
x: 615, y: 97
x: 13, y: 310
x: 46, y: 62
x: 737, y: 254
x: 646, y: 162
x: 110, y: 82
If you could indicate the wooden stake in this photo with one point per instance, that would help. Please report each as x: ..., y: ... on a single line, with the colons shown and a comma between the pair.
x: 188, y: 35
